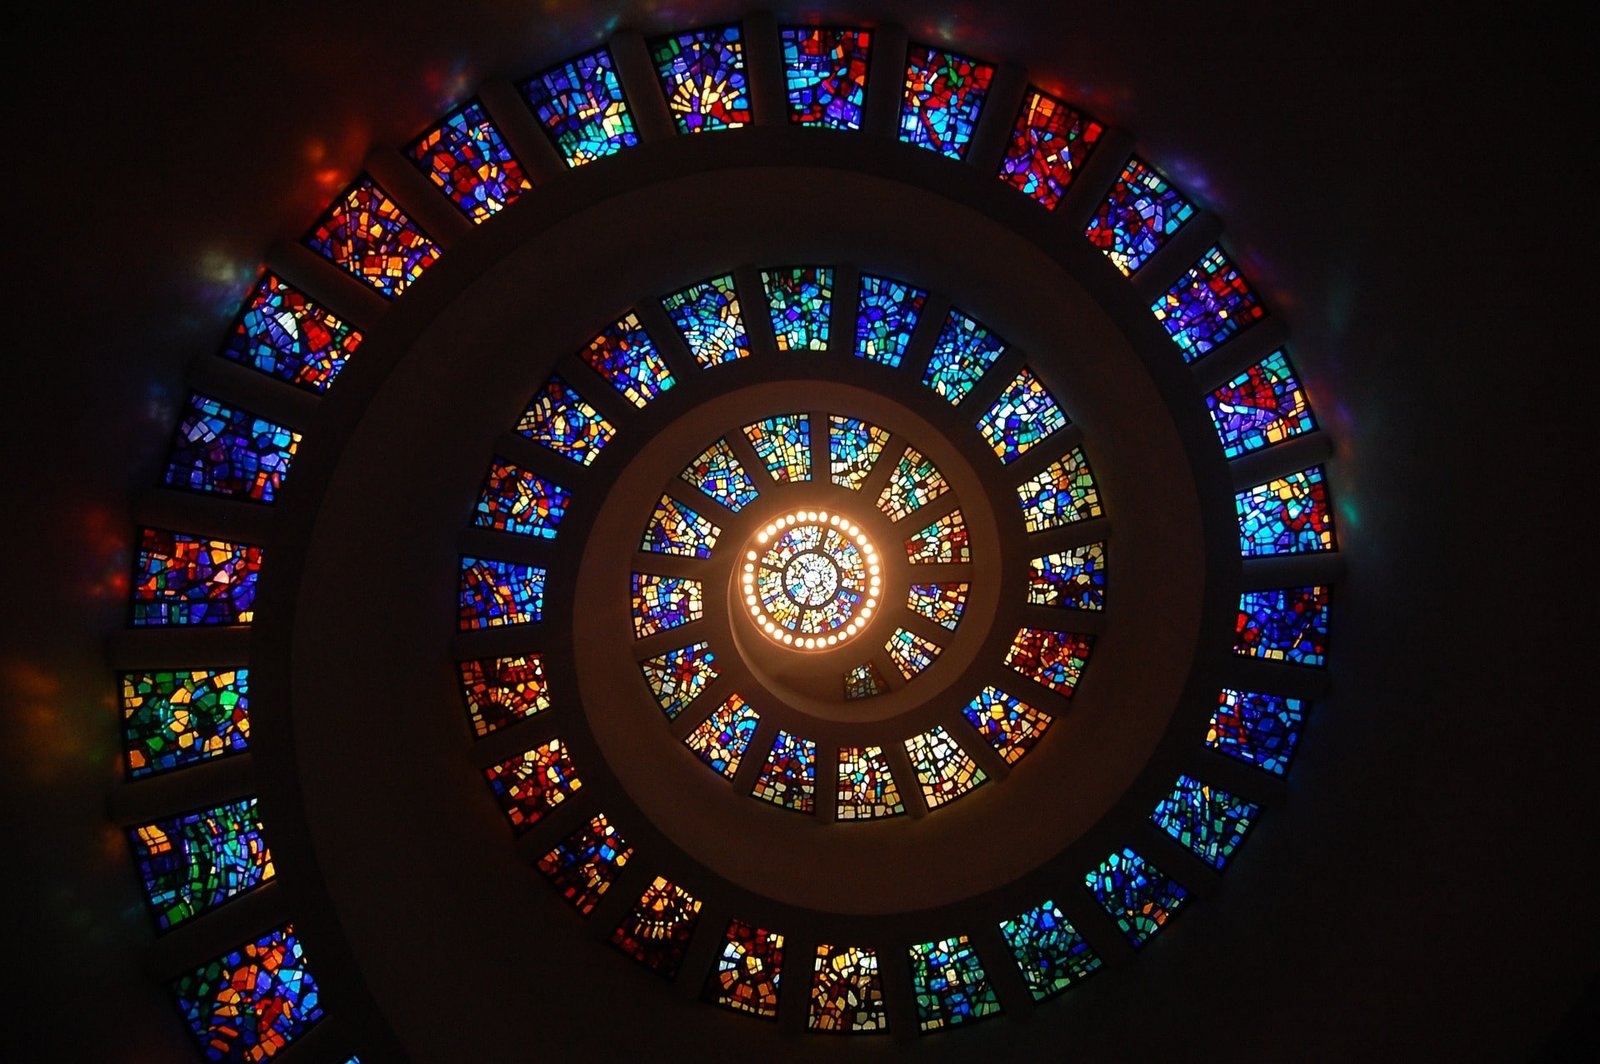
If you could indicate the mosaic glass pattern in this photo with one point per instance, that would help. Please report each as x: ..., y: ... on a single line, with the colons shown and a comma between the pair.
x: 1286, y: 624
x: 1024, y: 414
x: 249, y: 1004
x: 366, y: 234
x: 950, y: 984
x: 940, y: 603
x: 663, y: 602
x: 1209, y: 305
x: 1048, y: 950
x: 173, y: 718
x: 1257, y: 728
x: 961, y: 356
x: 814, y: 584
x: 853, y: 449
x: 1261, y: 406
x: 1009, y: 724
x: 944, y: 770
x: 944, y: 95
x: 789, y: 778
x: 657, y: 932
x: 561, y: 420
x: 1063, y: 493
x: 702, y: 74
x: 846, y: 991
x: 800, y: 299
x: 495, y: 593
x: 885, y: 318
x: 783, y: 444
x: 515, y: 500
x: 1136, y: 894
x: 282, y: 333
x: 581, y: 108
x: 1071, y: 579
x: 1138, y: 215
x: 910, y: 652
x: 866, y: 785
x: 676, y: 528
x: 1210, y: 822
x: 534, y: 782
x: 943, y: 542
x: 182, y: 580
x: 748, y: 971
x: 1047, y: 148
x: 583, y: 866
x: 864, y: 681
x: 626, y: 357
x: 677, y: 677
x: 193, y: 863
x: 467, y: 158
x: 915, y: 482
x: 501, y: 691
x: 1055, y: 659
x: 220, y: 450
x: 826, y: 74
x: 707, y: 314
x: 721, y: 739
x: 719, y: 473
x: 1289, y: 515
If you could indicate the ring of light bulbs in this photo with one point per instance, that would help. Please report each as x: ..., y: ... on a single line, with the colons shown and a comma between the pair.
x: 860, y: 615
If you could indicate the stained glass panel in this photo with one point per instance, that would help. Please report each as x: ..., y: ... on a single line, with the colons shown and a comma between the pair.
x: 366, y: 234
x: 657, y: 932
x: 1070, y: 579
x: 943, y: 542
x: 846, y: 991
x: 950, y: 984
x: 581, y: 108
x: 789, y: 778
x: 193, y: 863
x: 495, y: 593
x: 944, y: 770
x: 1009, y: 724
x: 176, y: 718
x: 1261, y: 406
x: 283, y: 334
x: 1208, y: 821
x: 676, y: 528
x: 1288, y: 624
x: 1048, y: 146
x: 1257, y: 728
x: 853, y: 449
x: 784, y: 446
x: 534, y: 782
x: 1289, y: 515
x: 515, y: 500
x: 584, y: 865
x: 944, y: 95
x: 1048, y: 949
x: 1055, y: 659
x: 886, y: 316
x: 961, y: 356
x: 1138, y: 216
x: 910, y: 652
x: 702, y: 74
x: 1063, y: 493
x: 866, y: 785
x: 826, y: 74
x: 625, y: 356
x: 748, y: 971
x: 221, y: 450
x: 915, y: 482
x: 181, y: 580
x: 719, y: 473
x: 940, y: 603
x: 1209, y: 304
x: 677, y: 677
x: 467, y: 158
x: 864, y: 681
x: 707, y: 314
x: 1024, y: 414
x: 1136, y: 894
x: 561, y: 420
x: 721, y: 739
x: 662, y: 602
x: 501, y: 691
x: 249, y: 1004
x: 801, y: 300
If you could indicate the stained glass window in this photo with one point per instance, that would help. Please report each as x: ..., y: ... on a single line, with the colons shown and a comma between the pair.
x: 940, y: 603
x: 1138, y: 215
x: 495, y: 593
x: 962, y: 354
x: 784, y: 445
x: 1074, y: 579
x: 581, y: 108
x: 176, y: 718
x: 657, y: 932
x: 748, y: 971
x: 1261, y: 406
x: 846, y: 991
x: 1063, y: 493
x: 950, y: 984
x: 1055, y: 659
x: 224, y: 451
x: 944, y: 541
x: 515, y: 500
x: 826, y: 73
x: 1289, y: 515
x: 944, y: 94
x: 584, y: 865
x: 193, y: 863
x: 1257, y: 728
x: 866, y: 785
x: 534, y: 782
x: 366, y: 234
x: 467, y: 158
x: 1208, y: 305
x: 625, y: 356
x: 1288, y: 624
x: 719, y: 473
x: 1009, y: 724
x: 1024, y: 414
x: 559, y: 418
x: 1048, y: 146
x: 249, y: 1004
x: 662, y: 602
x: 502, y: 691
x: 677, y: 677
x: 887, y: 314
x: 282, y: 333
x: 1209, y: 821
x: 864, y: 681
x: 721, y: 739
x: 910, y: 652
x: 944, y: 770
x: 1136, y: 894
x: 853, y: 449
x: 702, y: 74
x: 915, y: 482
x: 676, y: 528
x: 181, y: 580
x: 1048, y: 949
x: 789, y: 778
x: 800, y: 299
x: 707, y: 314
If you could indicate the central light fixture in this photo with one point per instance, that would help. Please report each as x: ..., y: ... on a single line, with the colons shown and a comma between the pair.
x: 811, y: 580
